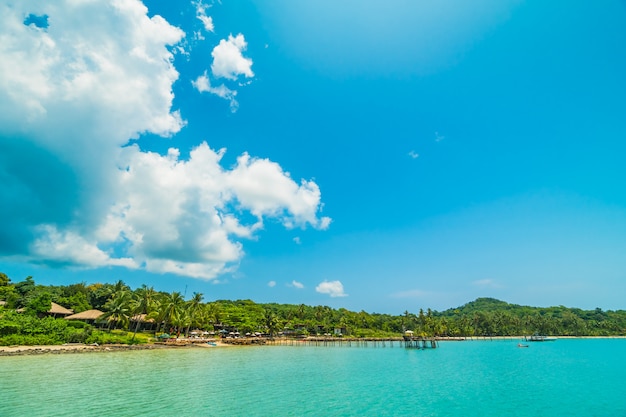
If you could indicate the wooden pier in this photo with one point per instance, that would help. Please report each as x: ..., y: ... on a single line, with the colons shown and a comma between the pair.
x: 419, y: 342
x: 406, y: 342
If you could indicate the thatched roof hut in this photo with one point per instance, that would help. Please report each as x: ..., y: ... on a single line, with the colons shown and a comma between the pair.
x: 86, y: 315
x: 141, y: 318
x: 57, y: 310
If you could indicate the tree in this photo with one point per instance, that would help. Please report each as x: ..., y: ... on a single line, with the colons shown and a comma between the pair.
x: 143, y: 303
x: 4, y: 279
x: 270, y: 321
x: 119, y: 309
x: 40, y: 304
x: 24, y: 288
x: 193, y: 307
x: 170, y: 306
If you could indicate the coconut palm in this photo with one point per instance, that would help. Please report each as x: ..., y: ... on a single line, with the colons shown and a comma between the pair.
x: 171, y: 305
x: 119, y: 309
x: 144, y: 300
x: 193, y: 308
x: 270, y: 320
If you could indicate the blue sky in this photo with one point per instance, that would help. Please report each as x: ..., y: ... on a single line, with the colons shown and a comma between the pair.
x: 377, y: 156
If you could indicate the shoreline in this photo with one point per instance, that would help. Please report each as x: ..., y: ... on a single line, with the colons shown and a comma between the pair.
x: 82, y: 348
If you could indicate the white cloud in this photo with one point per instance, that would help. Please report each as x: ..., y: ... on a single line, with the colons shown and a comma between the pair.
x: 203, y: 85
x: 296, y: 284
x: 228, y: 61
x: 74, y: 94
x: 414, y: 155
x: 297, y: 240
x: 262, y: 187
x: 177, y: 216
x: 271, y: 284
x: 207, y: 21
x: 438, y: 137
x: 332, y: 288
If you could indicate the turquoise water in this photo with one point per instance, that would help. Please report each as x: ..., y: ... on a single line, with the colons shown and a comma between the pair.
x: 472, y: 378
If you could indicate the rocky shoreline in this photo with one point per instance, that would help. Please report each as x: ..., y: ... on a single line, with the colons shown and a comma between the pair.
x: 79, y: 348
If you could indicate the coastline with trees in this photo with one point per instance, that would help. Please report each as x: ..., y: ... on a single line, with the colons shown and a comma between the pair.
x: 136, y: 316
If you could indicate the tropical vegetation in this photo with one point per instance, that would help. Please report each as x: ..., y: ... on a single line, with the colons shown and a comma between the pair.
x: 132, y: 315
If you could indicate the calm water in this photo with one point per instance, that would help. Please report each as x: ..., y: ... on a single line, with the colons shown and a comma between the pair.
x: 562, y: 378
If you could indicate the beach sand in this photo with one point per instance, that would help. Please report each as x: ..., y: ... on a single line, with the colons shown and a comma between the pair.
x: 81, y: 348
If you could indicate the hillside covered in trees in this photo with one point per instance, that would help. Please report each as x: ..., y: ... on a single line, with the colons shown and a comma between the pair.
x: 25, y: 318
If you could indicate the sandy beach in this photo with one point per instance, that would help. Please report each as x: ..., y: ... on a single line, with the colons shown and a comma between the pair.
x: 81, y: 348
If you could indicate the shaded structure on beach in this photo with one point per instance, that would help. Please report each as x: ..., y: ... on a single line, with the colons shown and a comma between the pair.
x: 57, y: 310
x: 89, y: 316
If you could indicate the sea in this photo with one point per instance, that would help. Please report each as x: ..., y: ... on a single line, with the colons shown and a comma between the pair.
x: 568, y: 377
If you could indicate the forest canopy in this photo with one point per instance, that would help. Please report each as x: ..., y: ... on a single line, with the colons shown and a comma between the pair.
x: 24, y: 317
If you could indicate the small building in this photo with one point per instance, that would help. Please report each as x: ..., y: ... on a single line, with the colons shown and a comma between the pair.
x: 89, y: 316
x: 57, y: 310
x: 340, y: 331
x: 146, y: 323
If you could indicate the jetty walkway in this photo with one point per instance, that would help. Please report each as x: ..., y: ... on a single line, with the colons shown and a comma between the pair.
x: 412, y: 342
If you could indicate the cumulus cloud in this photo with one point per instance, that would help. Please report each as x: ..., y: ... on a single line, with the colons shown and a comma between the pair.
x: 203, y: 85
x: 73, y: 94
x: 207, y: 21
x: 296, y: 284
x: 228, y: 60
x: 414, y: 155
x: 332, y: 288
x: 271, y: 284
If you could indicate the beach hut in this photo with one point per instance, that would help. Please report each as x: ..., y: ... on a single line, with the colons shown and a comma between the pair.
x: 89, y: 316
x: 58, y: 310
x: 340, y: 331
x: 146, y: 323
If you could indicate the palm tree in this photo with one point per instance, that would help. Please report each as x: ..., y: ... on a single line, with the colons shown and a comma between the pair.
x: 143, y: 303
x: 118, y: 308
x: 270, y: 320
x: 171, y: 304
x: 193, y: 308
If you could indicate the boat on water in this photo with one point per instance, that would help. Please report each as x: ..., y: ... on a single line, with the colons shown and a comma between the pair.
x: 539, y: 338
x: 521, y: 345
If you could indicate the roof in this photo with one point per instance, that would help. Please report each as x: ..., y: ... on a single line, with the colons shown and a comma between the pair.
x: 141, y: 318
x: 86, y: 315
x: 57, y: 309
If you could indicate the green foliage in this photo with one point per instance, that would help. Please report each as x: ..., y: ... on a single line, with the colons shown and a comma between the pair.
x: 77, y: 324
x: 4, y: 279
x: 481, y: 317
x: 103, y: 338
x: 40, y: 304
x: 26, y: 286
x: 26, y: 329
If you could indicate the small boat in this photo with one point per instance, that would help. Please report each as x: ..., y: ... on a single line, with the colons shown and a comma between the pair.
x: 521, y: 345
x: 539, y: 338
x: 211, y: 343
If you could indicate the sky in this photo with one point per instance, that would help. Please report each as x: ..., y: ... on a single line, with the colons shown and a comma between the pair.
x: 377, y: 156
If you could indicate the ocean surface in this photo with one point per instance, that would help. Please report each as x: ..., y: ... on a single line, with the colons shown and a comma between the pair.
x: 578, y: 377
